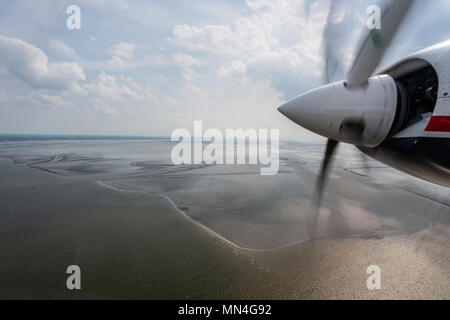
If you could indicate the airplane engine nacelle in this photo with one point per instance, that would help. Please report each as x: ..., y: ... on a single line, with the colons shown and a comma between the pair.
x: 362, y: 116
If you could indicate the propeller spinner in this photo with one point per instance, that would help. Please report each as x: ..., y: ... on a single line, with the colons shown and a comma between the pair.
x: 332, y: 111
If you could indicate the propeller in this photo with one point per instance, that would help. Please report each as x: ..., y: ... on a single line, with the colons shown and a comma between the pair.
x: 374, y: 43
x: 371, y: 49
x: 330, y: 58
x: 316, y: 197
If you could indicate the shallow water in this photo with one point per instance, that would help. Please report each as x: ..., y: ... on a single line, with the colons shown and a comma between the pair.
x: 142, y: 227
x: 236, y: 202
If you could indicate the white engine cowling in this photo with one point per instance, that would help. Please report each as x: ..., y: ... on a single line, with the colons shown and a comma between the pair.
x: 362, y: 116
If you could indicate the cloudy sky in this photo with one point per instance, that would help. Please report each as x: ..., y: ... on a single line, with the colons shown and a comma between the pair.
x: 149, y: 67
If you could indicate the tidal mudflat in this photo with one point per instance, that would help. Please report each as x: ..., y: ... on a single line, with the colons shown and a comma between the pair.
x: 140, y: 227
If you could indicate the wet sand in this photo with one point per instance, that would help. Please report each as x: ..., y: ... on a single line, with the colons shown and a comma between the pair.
x: 131, y: 243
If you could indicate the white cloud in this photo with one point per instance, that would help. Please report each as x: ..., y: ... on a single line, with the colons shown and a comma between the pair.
x: 62, y: 49
x: 30, y: 64
x: 244, y: 104
x: 47, y: 100
x: 131, y: 83
x: 192, y: 90
x: 116, y: 63
x: 118, y: 95
x: 108, y: 89
x: 242, y: 37
x: 122, y: 57
x: 124, y: 50
x: 105, y: 110
x: 278, y: 41
x: 269, y: 54
x: 235, y: 66
x: 102, y: 4
x: 187, y: 63
x: 272, y: 25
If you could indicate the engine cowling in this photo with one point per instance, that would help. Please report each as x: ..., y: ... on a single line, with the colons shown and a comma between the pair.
x: 362, y: 116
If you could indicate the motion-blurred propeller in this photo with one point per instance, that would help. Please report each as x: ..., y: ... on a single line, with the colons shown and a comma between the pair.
x: 375, y: 42
x: 371, y: 50
x: 316, y: 199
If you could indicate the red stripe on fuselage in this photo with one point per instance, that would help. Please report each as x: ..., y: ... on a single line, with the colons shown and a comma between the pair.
x: 439, y: 124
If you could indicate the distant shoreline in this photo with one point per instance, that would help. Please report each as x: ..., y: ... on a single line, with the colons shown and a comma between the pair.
x: 9, y: 137
x: 49, y: 137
